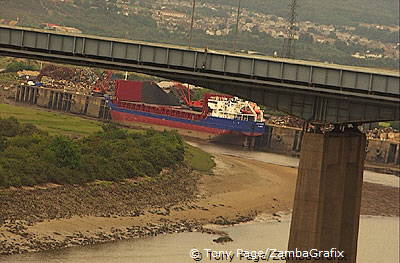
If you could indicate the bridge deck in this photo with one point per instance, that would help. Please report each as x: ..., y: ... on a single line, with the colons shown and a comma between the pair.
x: 203, y: 66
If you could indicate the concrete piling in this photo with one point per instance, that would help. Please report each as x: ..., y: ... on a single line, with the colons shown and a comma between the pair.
x: 63, y: 101
x: 328, y: 194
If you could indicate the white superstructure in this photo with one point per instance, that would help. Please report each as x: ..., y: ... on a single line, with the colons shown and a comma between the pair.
x: 234, y: 108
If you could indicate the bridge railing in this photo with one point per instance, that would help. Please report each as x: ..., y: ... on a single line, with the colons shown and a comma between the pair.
x: 309, y: 74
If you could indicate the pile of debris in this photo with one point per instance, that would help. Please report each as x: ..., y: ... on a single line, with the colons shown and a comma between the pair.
x: 77, y: 80
x: 28, y: 74
x: 384, y: 134
x: 286, y: 121
x: 67, y: 86
x: 69, y: 74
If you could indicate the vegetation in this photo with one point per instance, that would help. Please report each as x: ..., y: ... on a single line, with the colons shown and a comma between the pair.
x: 339, y: 12
x: 198, y: 159
x: 51, y: 122
x: 19, y: 65
x: 8, y: 78
x: 377, y: 34
x: 30, y: 156
x: 4, y: 62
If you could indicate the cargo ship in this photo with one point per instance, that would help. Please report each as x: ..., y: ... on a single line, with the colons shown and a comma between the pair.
x: 220, y: 114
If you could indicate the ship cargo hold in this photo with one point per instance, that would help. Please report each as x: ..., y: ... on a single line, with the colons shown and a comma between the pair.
x: 145, y: 102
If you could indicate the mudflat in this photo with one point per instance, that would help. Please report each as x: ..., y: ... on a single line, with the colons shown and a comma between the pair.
x: 238, y: 189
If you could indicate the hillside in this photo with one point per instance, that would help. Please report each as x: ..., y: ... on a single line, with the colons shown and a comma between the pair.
x: 357, y: 32
x: 338, y: 12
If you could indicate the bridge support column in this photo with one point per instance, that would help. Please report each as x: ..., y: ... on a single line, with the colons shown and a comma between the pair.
x: 328, y: 193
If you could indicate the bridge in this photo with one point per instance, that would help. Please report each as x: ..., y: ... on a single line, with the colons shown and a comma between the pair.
x: 317, y: 92
x: 328, y: 192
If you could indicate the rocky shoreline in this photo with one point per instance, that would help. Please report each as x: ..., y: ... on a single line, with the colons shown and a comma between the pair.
x: 104, y: 199
x: 34, y: 243
x: 29, y: 242
x: 23, y: 208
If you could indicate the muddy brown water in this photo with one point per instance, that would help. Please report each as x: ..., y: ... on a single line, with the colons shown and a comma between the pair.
x: 378, y: 242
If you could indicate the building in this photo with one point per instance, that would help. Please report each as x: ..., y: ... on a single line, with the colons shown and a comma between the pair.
x: 61, y: 28
x: 171, y: 14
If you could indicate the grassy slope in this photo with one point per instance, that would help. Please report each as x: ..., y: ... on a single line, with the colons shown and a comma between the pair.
x: 54, y: 123
x: 198, y: 159
x: 57, y: 123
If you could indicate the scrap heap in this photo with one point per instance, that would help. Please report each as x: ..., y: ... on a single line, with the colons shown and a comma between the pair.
x: 389, y: 134
x: 78, y: 80
x: 286, y: 121
x: 384, y: 134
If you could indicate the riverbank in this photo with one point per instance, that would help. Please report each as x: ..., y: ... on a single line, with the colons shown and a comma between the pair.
x: 55, y: 122
x: 53, y: 217
x: 239, y: 188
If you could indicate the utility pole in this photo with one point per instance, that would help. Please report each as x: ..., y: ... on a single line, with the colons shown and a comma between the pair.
x: 192, y: 23
x: 288, y: 48
x: 237, y: 27
x: 226, y: 40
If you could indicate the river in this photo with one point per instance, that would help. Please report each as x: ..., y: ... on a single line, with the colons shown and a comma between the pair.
x: 378, y: 242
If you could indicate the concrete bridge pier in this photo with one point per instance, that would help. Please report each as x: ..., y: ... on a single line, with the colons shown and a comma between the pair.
x: 328, y: 193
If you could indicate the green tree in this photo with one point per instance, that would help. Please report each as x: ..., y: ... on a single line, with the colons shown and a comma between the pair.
x: 9, y: 127
x: 66, y: 152
x: 18, y: 66
x: 29, y: 156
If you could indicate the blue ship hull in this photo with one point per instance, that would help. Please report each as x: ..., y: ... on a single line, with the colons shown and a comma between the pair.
x: 208, y: 124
